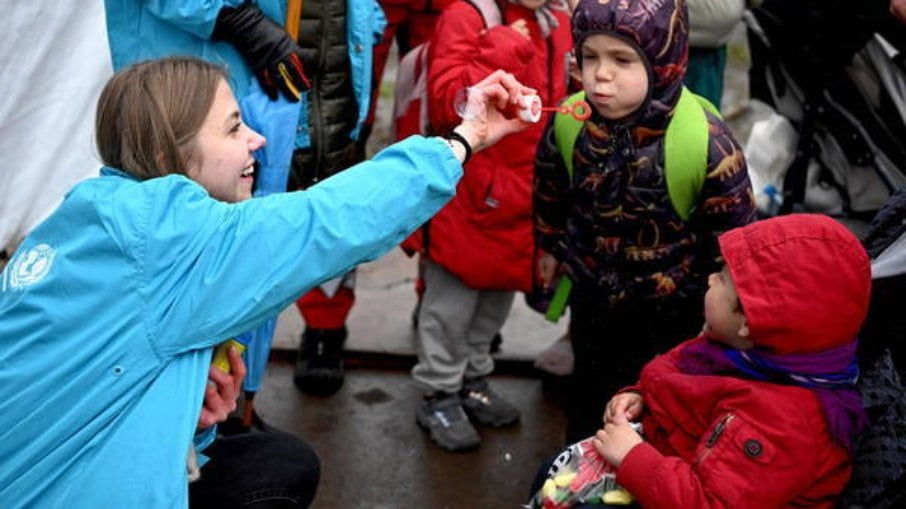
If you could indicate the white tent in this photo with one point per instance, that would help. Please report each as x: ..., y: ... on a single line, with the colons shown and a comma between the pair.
x: 52, y: 67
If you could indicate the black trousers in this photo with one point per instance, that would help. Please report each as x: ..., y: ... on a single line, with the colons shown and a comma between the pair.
x: 611, y: 346
x: 261, y: 470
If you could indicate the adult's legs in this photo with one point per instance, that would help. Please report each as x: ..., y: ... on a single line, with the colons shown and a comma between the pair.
x: 262, y: 470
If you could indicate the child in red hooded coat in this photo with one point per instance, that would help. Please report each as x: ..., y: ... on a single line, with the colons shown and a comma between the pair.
x: 761, y: 409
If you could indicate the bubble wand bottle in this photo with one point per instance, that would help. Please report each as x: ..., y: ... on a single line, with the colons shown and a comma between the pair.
x: 469, y: 103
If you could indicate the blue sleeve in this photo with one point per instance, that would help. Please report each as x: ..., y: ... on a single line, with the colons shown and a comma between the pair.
x: 196, y: 17
x: 213, y: 270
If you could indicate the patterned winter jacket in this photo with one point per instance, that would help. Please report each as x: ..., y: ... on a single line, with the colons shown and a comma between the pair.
x: 613, y: 225
x: 484, y: 235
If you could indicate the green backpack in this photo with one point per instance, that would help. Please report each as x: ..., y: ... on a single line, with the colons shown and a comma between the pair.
x: 685, y: 163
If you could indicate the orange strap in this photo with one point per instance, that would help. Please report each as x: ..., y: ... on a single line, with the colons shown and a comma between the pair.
x: 293, y: 17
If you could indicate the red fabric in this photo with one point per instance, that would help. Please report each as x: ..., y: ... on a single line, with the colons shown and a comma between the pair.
x: 322, y: 312
x: 804, y: 281
x: 774, y: 451
x: 484, y: 235
x: 410, y: 22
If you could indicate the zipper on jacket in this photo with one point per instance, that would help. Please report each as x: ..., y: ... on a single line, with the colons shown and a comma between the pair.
x: 718, y: 430
x: 714, y: 437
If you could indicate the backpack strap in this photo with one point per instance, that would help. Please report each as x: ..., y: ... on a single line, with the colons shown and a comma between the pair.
x: 686, y: 151
x: 490, y: 12
x: 566, y: 132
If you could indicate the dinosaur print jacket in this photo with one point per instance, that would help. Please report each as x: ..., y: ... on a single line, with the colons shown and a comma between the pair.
x: 613, y: 226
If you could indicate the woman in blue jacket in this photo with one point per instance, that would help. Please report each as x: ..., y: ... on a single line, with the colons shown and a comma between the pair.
x: 301, y: 72
x: 110, y: 308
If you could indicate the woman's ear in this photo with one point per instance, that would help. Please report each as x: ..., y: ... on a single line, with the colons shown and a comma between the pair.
x: 161, y: 162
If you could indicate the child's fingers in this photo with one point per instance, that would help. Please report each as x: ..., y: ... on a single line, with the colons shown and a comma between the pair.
x: 618, y: 420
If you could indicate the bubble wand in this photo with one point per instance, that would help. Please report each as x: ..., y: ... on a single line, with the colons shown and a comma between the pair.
x: 469, y: 105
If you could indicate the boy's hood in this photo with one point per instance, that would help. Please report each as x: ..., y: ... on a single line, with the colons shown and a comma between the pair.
x: 803, y: 280
x: 659, y: 29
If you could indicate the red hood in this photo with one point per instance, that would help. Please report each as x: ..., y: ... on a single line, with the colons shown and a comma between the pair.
x: 804, y: 281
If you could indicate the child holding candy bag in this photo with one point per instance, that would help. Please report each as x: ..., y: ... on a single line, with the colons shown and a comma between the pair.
x: 761, y: 409
x: 478, y: 249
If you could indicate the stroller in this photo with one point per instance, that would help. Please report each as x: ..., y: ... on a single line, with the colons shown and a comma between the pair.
x: 832, y: 73
x: 879, y: 473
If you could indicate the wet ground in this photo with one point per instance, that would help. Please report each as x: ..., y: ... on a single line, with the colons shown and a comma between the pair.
x: 374, y: 455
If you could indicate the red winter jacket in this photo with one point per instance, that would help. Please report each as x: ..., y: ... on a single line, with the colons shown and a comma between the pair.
x: 484, y: 235
x: 721, y: 441
x: 774, y: 449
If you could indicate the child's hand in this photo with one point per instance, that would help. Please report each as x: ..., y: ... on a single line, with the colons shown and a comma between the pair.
x: 616, y: 439
x: 521, y: 26
x: 548, y: 269
x: 898, y: 9
x: 222, y: 391
x: 628, y: 405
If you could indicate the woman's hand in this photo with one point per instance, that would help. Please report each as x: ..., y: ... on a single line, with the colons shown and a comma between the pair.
x: 626, y: 404
x: 489, y: 98
x: 222, y: 391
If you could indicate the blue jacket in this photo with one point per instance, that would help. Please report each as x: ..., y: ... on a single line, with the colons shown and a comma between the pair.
x: 142, y: 30
x: 111, y: 306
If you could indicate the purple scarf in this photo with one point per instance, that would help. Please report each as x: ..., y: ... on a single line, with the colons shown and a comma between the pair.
x: 831, y: 374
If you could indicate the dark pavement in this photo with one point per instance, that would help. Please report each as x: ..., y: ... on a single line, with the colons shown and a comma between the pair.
x: 375, y: 456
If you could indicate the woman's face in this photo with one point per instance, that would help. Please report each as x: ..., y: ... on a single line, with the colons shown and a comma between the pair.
x: 614, y: 76
x: 222, y: 159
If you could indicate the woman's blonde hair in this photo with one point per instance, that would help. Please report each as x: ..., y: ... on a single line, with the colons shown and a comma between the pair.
x: 149, y: 113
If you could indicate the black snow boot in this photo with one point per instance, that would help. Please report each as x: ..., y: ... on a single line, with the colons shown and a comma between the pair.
x: 319, y: 364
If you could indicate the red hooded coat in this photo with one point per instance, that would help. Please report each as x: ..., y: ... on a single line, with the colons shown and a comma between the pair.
x: 723, y: 441
x: 484, y: 235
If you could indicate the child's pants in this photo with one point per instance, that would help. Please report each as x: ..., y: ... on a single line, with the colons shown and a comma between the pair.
x: 610, y: 346
x: 455, y: 327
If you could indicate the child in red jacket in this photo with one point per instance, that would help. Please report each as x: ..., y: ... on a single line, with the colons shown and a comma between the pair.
x: 478, y: 249
x: 761, y: 409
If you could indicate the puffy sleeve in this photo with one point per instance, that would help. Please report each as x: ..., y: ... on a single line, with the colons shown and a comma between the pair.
x: 739, y: 465
x: 550, y: 195
x: 726, y: 200
x: 212, y: 270
x: 196, y: 17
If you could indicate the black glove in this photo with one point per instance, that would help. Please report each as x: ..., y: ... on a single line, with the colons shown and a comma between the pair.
x: 267, y: 48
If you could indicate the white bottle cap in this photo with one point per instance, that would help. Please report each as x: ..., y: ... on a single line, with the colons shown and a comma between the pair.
x: 530, y: 108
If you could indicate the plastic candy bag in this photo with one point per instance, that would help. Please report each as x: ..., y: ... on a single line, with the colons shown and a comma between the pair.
x: 580, y: 475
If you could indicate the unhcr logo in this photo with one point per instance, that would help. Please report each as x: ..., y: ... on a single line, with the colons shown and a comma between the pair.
x: 30, y: 266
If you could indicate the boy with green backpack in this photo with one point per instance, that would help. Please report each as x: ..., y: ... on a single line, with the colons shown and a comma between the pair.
x: 628, y: 205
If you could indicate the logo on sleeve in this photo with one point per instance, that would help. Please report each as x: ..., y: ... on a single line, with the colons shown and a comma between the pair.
x: 31, y: 266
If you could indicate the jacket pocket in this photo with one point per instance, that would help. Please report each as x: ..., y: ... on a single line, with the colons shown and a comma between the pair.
x: 732, y: 437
